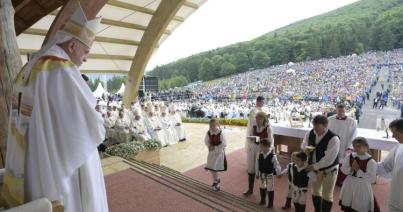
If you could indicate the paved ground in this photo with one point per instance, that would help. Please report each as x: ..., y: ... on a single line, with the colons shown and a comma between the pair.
x: 369, y: 115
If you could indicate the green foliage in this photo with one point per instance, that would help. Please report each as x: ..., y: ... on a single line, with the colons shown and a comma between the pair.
x: 362, y: 26
x: 94, y: 83
x: 233, y: 122
x: 115, y: 83
x: 176, y: 81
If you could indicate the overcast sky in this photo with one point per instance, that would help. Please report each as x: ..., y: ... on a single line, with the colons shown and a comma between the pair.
x: 222, y: 22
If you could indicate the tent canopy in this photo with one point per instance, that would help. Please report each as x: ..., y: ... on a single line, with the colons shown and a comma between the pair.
x: 121, y: 89
x: 99, y: 91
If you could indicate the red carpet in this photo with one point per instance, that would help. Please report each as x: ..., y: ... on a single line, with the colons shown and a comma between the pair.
x: 131, y: 191
x: 235, y: 181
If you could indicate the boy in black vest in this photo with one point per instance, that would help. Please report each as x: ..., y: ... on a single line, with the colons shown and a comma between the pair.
x: 267, y: 166
x: 300, y: 181
x: 322, y: 146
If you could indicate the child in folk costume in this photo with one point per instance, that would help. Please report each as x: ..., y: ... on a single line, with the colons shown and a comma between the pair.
x: 261, y: 130
x: 287, y: 171
x: 300, y: 178
x: 267, y: 166
x: 356, y: 193
x: 216, y: 160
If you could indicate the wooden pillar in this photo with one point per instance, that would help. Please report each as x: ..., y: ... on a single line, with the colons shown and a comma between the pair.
x: 10, y: 65
x: 165, y: 12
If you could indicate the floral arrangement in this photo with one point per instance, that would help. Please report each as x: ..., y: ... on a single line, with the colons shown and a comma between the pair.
x: 130, y: 149
x: 234, y: 122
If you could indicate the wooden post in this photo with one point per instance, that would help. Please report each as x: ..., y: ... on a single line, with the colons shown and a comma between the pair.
x: 10, y: 65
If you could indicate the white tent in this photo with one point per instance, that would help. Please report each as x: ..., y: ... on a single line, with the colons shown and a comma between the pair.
x: 121, y: 89
x: 99, y: 91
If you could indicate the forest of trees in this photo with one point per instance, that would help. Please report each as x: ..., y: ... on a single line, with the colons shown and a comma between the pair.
x: 362, y: 26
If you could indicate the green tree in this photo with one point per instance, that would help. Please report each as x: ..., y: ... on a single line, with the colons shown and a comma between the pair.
x: 227, y: 68
x: 333, y: 50
x: 387, y: 39
x: 177, y: 81
x: 206, y: 71
x: 260, y: 59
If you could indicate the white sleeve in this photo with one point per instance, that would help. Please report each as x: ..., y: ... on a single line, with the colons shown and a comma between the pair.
x: 345, y: 168
x: 331, y: 153
x: 352, y: 136
x: 305, y: 141
x: 385, y: 167
x: 276, y: 164
x: 207, y: 140
x: 285, y: 171
x: 271, y: 137
x: 370, y: 174
x: 223, y: 140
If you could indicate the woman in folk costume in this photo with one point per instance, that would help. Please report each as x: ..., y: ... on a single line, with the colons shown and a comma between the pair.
x: 54, y: 126
x: 261, y: 130
x: 138, y: 128
x: 169, y: 130
x: 356, y: 193
x: 216, y: 142
x: 153, y: 125
x: 176, y: 120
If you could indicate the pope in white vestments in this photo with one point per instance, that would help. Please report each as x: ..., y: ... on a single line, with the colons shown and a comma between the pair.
x: 54, y: 129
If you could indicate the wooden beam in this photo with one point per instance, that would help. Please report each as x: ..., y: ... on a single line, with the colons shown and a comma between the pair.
x: 104, y: 71
x: 137, y: 8
x: 122, y: 24
x: 21, y: 5
x: 90, y: 56
x: 90, y: 7
x: 159, y: 22
x: 42, y: 32
x: 191, y: 5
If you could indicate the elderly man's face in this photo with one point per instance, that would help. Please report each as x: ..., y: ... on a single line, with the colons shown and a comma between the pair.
x: 78, y: 52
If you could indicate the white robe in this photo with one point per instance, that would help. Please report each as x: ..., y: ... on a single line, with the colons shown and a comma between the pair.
x: 176, y: 120
x: 253, y: 149
x: 169, y: 130
x: 356, y: 191
x: 346, y: 130
x: 152, y: 123
x: 216, y: 157
x: 63, y: 134
x: 138, y: 130
x: 392, y: 167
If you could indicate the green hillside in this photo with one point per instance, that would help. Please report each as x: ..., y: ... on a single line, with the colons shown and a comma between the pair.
x: 356, y: 28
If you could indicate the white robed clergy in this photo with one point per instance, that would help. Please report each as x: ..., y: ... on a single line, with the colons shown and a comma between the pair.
x: 138, y: 128
x: 392, y: 168
x: 153, y: 125
x: 169, y: 129
x: 176, y: 121
x: 54, y: 128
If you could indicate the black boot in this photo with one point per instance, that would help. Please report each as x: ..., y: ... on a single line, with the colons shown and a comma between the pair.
x: 317, y: 203
x: 271, y: 198
x: 251, y: 183
x: 262, y: 196
x: 296, y: 206
x: 287, y: 204
x: 326, y: 206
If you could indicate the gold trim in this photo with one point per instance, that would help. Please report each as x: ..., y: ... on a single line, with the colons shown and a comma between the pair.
x: 80, y: 32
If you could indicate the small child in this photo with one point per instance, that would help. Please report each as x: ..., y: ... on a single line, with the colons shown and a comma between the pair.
x: 356, y: 193
x: 300, y: 179
x: 216, y: 160
x: 267, y: 166
x: 287, y: 171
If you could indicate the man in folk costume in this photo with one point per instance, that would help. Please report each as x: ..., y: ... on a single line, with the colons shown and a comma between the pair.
x: 138, y: 128
x: 177, y: 123
x: 54, y: 126
x: 261, y: 130
x: 322, y: 146
x: 346, y: 128
x: 392, y: 167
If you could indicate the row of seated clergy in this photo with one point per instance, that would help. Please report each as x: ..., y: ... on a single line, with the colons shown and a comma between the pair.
x: 130, y: 126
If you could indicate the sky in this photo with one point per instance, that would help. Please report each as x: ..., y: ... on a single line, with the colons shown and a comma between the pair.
x: 218, y: 23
